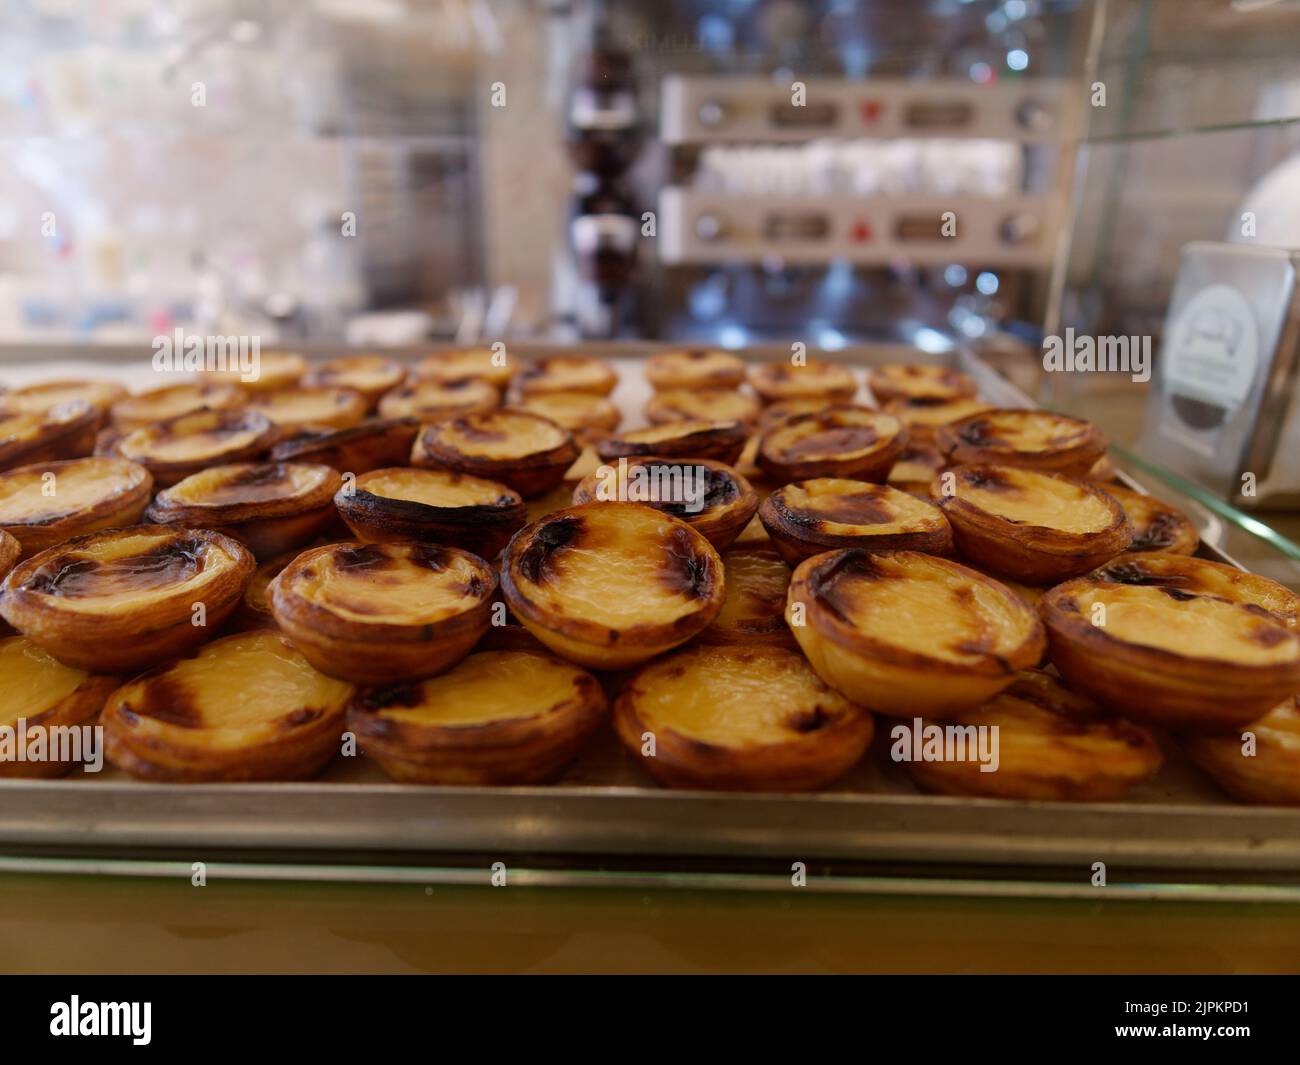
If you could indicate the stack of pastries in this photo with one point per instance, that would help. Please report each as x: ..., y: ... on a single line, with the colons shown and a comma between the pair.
x: 468, y: 568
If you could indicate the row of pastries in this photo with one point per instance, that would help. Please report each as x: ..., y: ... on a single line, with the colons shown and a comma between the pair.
x: 470, y: 566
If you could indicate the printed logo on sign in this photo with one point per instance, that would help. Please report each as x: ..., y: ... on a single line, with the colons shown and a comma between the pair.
x: 190, y: 353
x: 132, y: 1019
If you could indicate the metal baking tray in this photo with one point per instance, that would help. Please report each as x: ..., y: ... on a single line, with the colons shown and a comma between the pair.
x: 606, y: 822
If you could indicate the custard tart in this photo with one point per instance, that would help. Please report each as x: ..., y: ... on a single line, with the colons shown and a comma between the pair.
x: 171, y: 401
x: 808, y: 517
x: 430, y: 400
x: 924, y: 417
x: 720, y: 441
x: 851, y: 442
x: 775, y: 381
x: 566, y: 373
x: 1185, y: 576
x: 496, y: 367
x: 39, y: 398
x: 524, y: 451
x: 1159, y: 653
x: 371, y: 375
x: 178, y: 447
x: 1030, y: 526
x: 779, y: 411
x: 379, y: 613
x: 609, y: 585
x: 51, y: 502
x: 753, y: 606
x: 1052, y: 745
x: 41, y: 697
x: 63, y: 432
x: 276, y: 370
x: 906, y: 633
x: 707, y: 404
x: 589, y: 417
x: 269, y: 507
x: 1270, y: 773
x: 1032, y: 439
x: 498, y: 717
x: 713, y: 499
x: 247, y: 707
x: 694, y: 368
x: 910, y: 381
x: 432, y: 506
x: 122, y: 599
x: 372, y: 445
x: 311, y: 408
x: 739, y: 719
x: 1156, y: 525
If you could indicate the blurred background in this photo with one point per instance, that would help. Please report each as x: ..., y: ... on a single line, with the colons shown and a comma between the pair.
x: 394, y: 171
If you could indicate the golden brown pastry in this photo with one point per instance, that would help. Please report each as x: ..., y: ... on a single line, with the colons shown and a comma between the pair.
x: 314, y: 408
x: 1197, y: 576
x: 178, y: 447
x: 430, y: 400
x: 753, y: 608
x: 924, y: 417
x: 788, y: 408
x: 851, y: 442
x: 171, y: 401
x: 1159, y: 653
x: 381, y: 613
x: 246, y: 708
x: 1029, y: 526
x: 587, y: 416
x: 51, y: 502
x: 524, y: 451
x: 910, y: 634
x: 46, y: 395
x: 913, y: 381
x: 694, y: 368
x: 496, y: 366
x: 566, y: 373
x: 609, y: 585
x: 63, y: 432
x: 432, y: 506
x: 739, y: 719
x: 40, y: 695
x: 372, y: 445
x: 1260, y: 762
x: 1052, y: 745
x: 1103, y: 471
x: 720, y: 441
x: 808, y: 517
x: 269, y: 507
x: 712, y: 498
x: 123, y: 599
x: 276, y: 370
x: 915, y: 470
x: 776, y: 381
x: 10, y: 551
x: 371, y: 375
x: 499, y: 717
x: 1032, y: 439
x: 702, y: 404
x: 1156, y: 525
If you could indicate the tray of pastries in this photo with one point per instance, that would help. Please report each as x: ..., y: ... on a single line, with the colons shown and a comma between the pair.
x: 872, y: 605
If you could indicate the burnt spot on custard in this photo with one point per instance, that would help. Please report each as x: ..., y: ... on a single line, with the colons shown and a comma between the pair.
x: 1177, y: 594
x: 164, y: 699
x: 719, y: 489
x: 476, y: 432
x: 849, y: 508
x: 361, y: 557
x: 828, y: 584
x: 1135, y: 573
x: 809, y: 720
x: 71, y: 576
x: 686, y: 572
x: 979, y: 432
x: 303, y: 715
x: 1159, y: 532
x: 989, y: 480
x: 1268, y: 635
x: 536, y: 561
x: 405, y: 696
x: 251, y: 483
x: 832, y: 438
